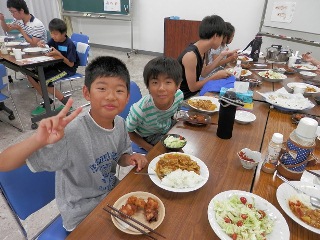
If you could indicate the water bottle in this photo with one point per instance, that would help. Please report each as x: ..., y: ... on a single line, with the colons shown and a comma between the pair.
x: 237, y: 70
x: 271, y: 161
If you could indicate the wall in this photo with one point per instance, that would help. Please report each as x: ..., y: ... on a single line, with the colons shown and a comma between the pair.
x: 148, y: 22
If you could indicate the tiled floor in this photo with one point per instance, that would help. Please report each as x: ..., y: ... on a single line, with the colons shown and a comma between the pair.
x: 25, y: 100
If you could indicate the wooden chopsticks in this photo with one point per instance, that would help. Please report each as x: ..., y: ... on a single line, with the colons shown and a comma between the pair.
x: 134, y: 220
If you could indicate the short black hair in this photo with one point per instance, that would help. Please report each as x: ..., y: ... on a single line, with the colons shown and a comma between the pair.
x: 210, y: 26
x: 162, y: 65
x: 229, y: 31
x: 57, y: 24
x: 106, y: 66
x: 18, y: 4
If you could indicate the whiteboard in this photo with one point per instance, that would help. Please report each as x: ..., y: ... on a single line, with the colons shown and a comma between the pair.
x: 304, y: 18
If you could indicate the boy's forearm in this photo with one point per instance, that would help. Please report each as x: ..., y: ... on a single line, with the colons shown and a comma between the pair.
x: 140, y: 141
x: 15, y: 156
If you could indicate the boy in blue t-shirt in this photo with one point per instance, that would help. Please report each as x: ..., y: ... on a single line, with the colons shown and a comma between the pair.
x: 61, y: 46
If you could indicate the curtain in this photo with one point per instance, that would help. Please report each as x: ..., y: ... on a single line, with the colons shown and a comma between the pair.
x: 45, y: 10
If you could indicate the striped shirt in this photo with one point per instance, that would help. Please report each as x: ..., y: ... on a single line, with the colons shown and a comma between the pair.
x: 34, y: 28
x: 146, y: 119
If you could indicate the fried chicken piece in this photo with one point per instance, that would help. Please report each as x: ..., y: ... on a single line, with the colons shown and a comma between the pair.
x: 128, y: 209
x: 139, y: 202
x: 151, y: 210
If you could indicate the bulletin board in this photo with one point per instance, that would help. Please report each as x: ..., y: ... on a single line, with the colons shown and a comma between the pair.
x: 118, y: 7
x: 295, y: 15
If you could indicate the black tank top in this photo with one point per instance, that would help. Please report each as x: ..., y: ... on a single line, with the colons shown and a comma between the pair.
x: 184, y: 85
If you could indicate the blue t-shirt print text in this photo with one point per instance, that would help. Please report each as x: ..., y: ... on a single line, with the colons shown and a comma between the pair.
x: 103, y: 166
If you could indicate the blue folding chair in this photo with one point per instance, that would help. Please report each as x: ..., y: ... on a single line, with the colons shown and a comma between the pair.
x: 26, y: 193
x: 3, y: 98
x: 135, y: 96
x: 79, y: 37
x: 83, y: 54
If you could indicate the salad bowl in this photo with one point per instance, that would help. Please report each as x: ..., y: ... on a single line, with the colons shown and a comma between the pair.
x: 173, y: 142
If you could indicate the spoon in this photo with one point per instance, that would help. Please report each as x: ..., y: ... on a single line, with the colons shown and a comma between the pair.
x: 144, y: 173
x: 313, y: 200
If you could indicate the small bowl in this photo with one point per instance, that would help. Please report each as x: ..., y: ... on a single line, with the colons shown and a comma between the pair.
x: 170, y: 148
x: 244, y: 117
x: 252, y: 82
x: 307, y: 75
x: 246, y: 154
x: 279, y: 70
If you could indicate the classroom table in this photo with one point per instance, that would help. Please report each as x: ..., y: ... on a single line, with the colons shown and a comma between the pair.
x: 186, y: 213
x: 26, y: 68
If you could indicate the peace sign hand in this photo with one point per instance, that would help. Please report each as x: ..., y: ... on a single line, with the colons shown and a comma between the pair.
x: 51, y: 130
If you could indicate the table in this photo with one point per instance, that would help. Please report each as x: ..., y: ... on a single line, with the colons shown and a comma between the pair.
x: 186, y: 213
x: 10, y: 62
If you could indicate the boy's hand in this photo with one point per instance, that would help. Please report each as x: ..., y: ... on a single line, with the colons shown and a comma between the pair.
x: 138, y: 160
x: 41, y: 43
x: 54, y: 52
x: 221, y: 74
x: 2, y: 17
x: 51, y: 130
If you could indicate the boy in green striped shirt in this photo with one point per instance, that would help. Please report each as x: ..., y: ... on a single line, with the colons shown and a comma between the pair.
x: 151, y: 117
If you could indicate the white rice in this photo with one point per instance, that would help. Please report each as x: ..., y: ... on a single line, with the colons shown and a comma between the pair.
x: 182, y: 179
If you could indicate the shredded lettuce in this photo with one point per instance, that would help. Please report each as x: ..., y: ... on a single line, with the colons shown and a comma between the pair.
x: 174, y: 142
x: 246, y: 222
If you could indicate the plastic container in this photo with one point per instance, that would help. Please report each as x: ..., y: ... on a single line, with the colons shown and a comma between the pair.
x: 271, y: 161
x: 237, y: 70
x: 297, y: 152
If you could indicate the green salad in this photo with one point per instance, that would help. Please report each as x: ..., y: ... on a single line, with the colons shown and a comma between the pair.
x: 242, y: 220
x: 174, y: 142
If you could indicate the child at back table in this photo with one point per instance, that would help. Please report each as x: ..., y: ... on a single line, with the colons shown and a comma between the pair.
x: 61, y: 46
x: 83, y: 150
x: 151, y: 117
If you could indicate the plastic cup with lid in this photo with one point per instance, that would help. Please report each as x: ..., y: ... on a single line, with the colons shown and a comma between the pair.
x: 17, y: 53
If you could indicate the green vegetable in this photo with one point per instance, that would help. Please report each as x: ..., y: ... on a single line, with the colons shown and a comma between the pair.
x: 174, y: 142
x: 239, y: 218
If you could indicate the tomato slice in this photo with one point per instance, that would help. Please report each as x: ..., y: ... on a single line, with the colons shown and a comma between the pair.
x: 239, y: 223
x: 243, y: 200
x: 244, y: 216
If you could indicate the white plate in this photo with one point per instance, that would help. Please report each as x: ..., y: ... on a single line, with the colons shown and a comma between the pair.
x: 285, y: 192
x: 304, y: 67
x: 12, y: 54
x: 263, y: 74
x: 212, y: 99
x: 204, y: 172
x: 287, y: 101
x: 280, y: 230
x: 35, y: 50
x: 244, y: 117
x: 11, y: 44
x: 139, y: 215
x: 245, y: 59
x: 247, y: 72
x: 310, y: 178
x: 293, y: 84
